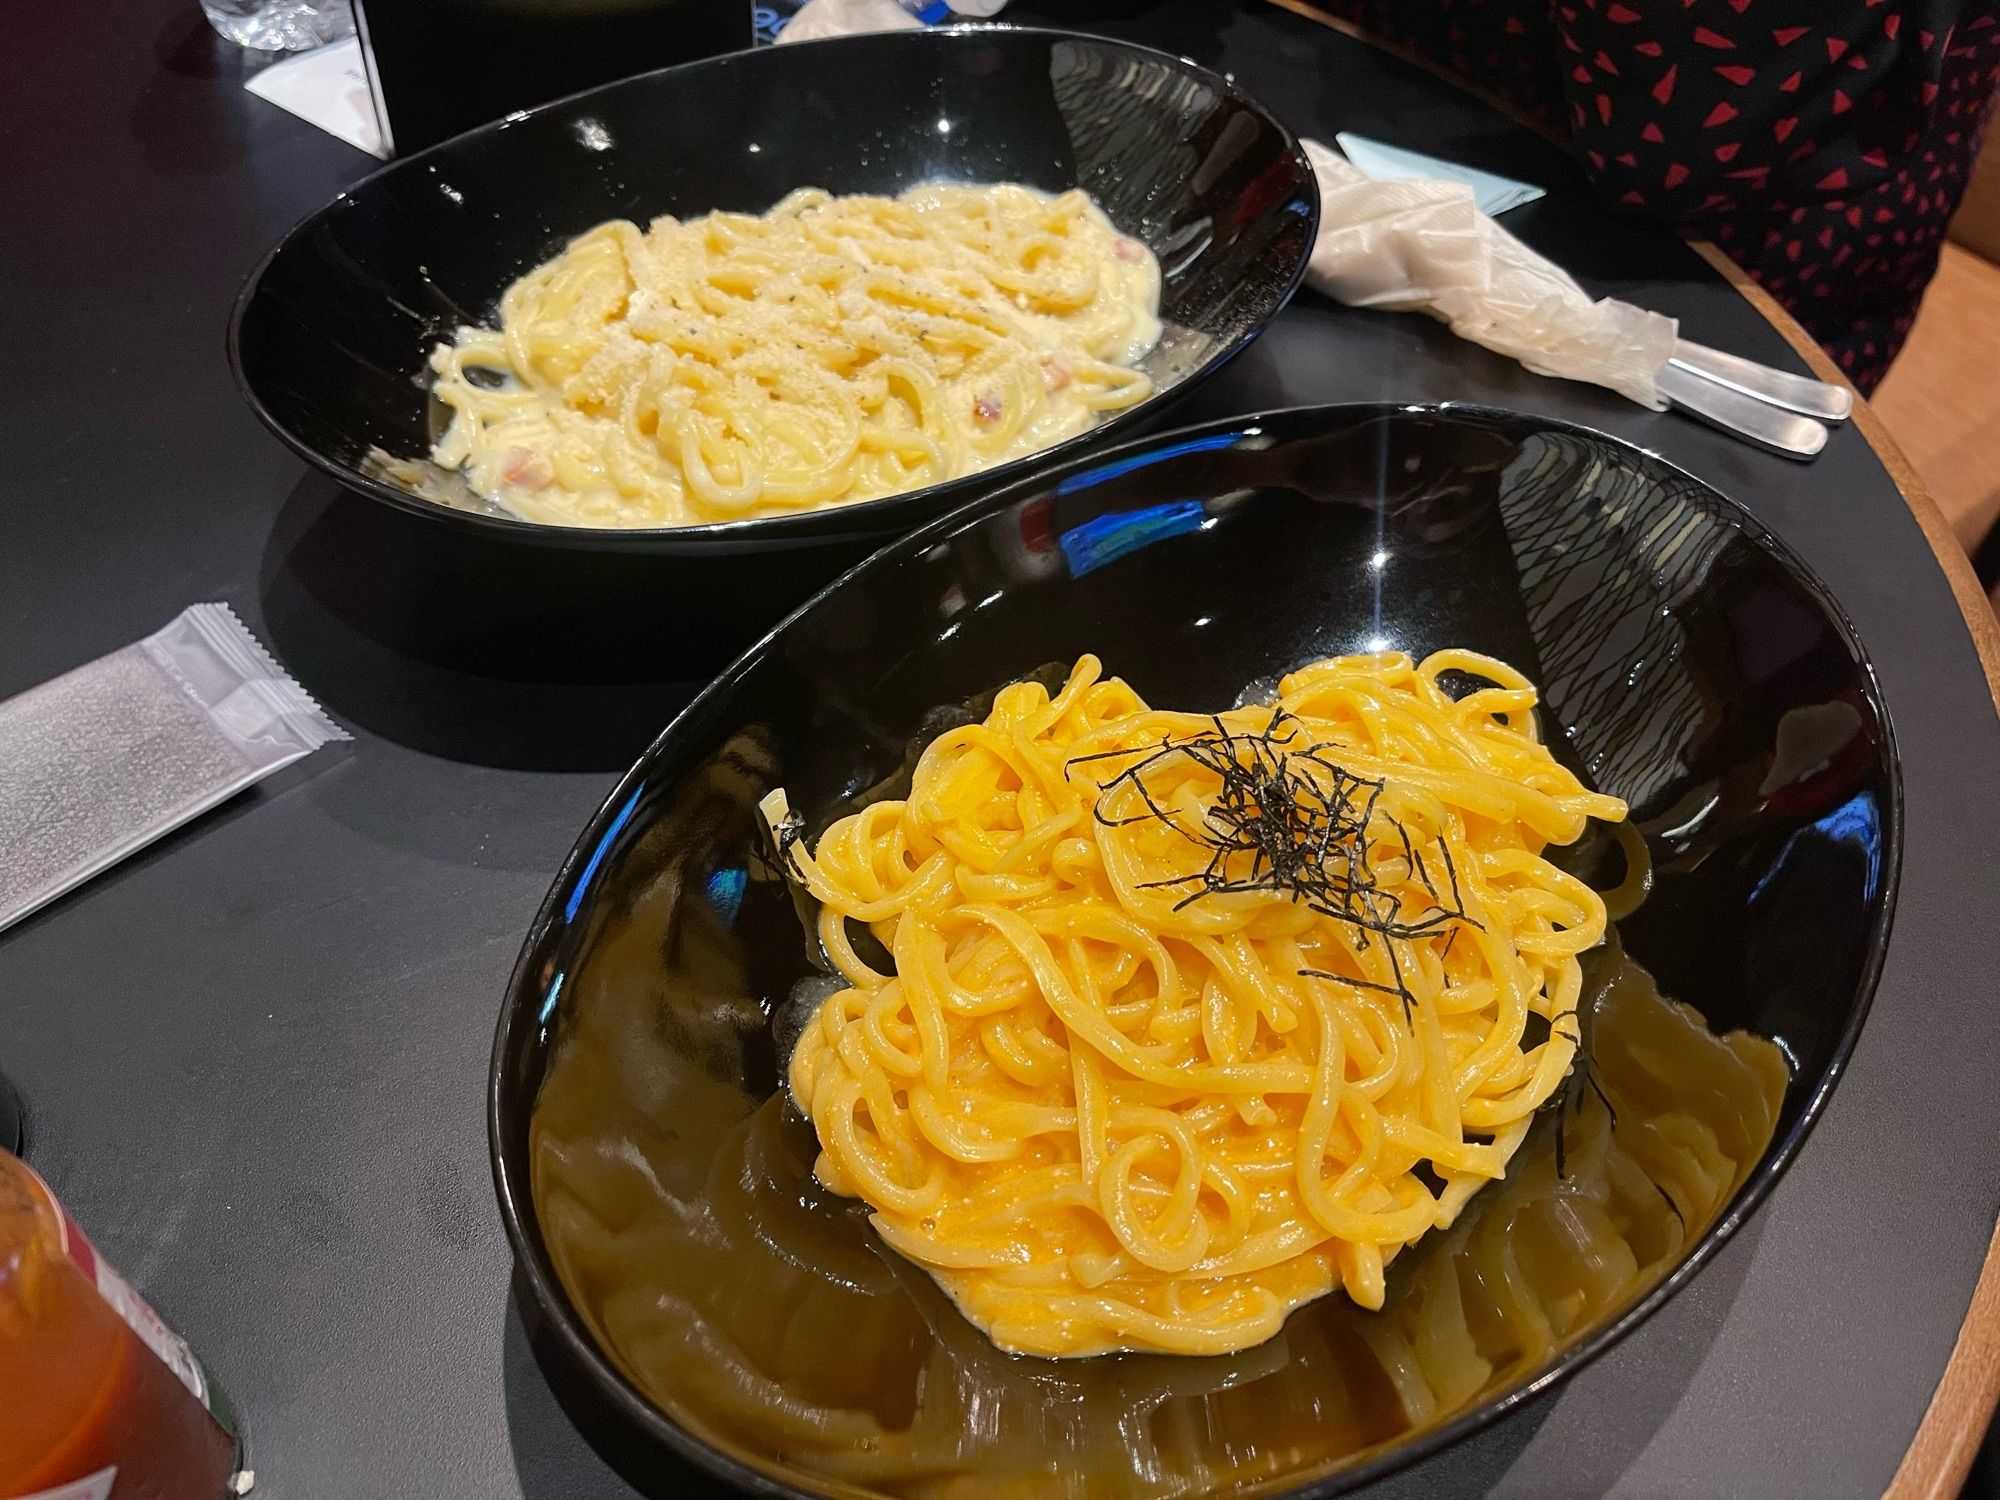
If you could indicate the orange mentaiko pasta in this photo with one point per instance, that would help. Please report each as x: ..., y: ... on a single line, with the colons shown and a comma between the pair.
x: 1192, y: 1019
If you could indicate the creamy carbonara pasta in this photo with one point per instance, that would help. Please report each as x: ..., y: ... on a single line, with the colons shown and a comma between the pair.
x: 834, y: 349
x: 1191, y: 1019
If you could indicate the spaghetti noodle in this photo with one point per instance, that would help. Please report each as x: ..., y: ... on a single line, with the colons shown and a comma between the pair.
x: 834, y: 349
x: 1191, y: 1020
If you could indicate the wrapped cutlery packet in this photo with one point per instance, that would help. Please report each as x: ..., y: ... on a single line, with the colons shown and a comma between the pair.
x: 1422, y: 245
x: 102, y: 760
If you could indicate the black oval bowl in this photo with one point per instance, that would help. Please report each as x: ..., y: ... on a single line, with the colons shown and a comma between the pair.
x: 1676, y: 642
x: 330, y: 336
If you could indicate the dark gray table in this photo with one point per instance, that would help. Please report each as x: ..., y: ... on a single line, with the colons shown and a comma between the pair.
x: 254, y: 1056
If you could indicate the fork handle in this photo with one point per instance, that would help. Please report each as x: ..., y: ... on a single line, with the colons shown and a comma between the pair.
x: 1812, y: 398
x: 1756, y: 421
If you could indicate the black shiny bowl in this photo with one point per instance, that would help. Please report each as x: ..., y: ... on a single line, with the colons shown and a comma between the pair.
x: 1688, y: 663
x: 330, y: 336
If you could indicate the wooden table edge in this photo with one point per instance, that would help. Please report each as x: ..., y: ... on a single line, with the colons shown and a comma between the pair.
x: 1954, y: 1425
x: 1935, y: 1464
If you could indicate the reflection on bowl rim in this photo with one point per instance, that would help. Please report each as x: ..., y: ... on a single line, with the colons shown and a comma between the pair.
x: 516, y: 1199
x: 884, y: 515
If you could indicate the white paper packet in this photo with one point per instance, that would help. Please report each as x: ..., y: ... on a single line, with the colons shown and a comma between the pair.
x: 99, y: 762
x: 1424, y: 246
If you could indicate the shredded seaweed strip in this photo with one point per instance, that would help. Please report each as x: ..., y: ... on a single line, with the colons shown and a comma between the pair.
x: 789, y: 833
x: 1567, y: 1101
x: 1291, y: 820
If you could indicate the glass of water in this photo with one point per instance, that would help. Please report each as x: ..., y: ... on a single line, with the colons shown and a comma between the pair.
x: 280, y: 25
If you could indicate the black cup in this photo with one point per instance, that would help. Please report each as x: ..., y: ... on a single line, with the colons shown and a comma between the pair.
x: 438, y: 67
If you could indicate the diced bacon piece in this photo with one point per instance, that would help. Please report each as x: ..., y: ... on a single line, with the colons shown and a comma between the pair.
x: 986, y: 408
x: 1127, y: 250
x: 1055, y: 372
x: 526, y: 469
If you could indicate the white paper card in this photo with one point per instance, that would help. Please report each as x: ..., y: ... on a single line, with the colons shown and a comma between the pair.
x: 327, y: 87
x: 1494, y: 194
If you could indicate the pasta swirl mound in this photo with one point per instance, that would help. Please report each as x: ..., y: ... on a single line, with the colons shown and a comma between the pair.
x: 828, y: 351
x: 1193, y: 1019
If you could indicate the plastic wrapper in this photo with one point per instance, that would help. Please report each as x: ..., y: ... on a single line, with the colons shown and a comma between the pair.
x: 823, y: 18
x: 1424, y: 246
x: 105, y: 759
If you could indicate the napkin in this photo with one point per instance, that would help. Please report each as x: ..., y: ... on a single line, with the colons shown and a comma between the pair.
x: 1422, y: 245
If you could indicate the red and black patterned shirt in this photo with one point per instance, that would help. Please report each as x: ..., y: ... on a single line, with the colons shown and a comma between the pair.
x: 1822, y: 143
